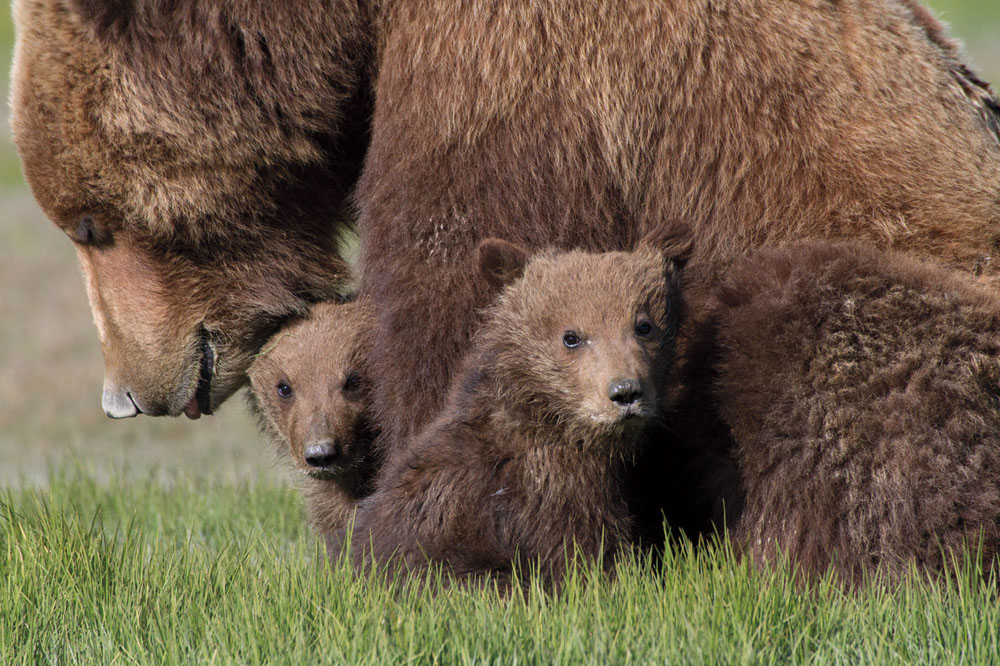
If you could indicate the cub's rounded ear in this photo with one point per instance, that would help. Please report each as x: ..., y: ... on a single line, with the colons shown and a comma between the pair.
x: 108, y: 20
x: 674, y: 239
x: 500, y: 262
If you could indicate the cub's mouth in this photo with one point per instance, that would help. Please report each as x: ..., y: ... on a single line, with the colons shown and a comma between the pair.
x: 331, y: 473
x: 634, y: 412
x: 201, y: 402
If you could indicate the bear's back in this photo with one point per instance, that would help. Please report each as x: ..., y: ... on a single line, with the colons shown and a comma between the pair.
x: 861, y: 391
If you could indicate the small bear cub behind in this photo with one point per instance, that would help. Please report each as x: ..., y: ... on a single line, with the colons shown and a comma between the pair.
x: 310, y: 391
x: 531, y: 454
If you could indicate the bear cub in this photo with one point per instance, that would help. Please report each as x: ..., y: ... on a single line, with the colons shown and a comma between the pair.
x: 529, y: 460
x: 310, y: 390
x: 856, y: 403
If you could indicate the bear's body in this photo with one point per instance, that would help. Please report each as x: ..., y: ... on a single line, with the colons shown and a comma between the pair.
x: 533, y: 450
x: 311, y: 391
x: 582, y: 125
x: 844, y: 408
x: 180, y: 126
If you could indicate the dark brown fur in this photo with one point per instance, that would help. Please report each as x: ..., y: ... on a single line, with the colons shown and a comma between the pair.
x: 321, y: 362
x: 531, y: 454
x: 552, y: 123
x: 845, y: 409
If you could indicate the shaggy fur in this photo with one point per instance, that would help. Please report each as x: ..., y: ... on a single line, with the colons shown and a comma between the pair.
x: 311, y: 391
x: 557, y: 123
x: 581, y: 124
x: 532, y: 452
x: 199, y: 154
x: 845, y: 409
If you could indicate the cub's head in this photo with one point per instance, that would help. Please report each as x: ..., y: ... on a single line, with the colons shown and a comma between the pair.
x: 310, y: 388
x: 584, y: 340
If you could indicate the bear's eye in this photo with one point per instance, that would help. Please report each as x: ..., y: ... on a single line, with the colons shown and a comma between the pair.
x: 87, y: 231
x: 284, y: 390
x: 571, y: 339
x: 352, y: 383
x: 643, y: 328
x: 84, y: 232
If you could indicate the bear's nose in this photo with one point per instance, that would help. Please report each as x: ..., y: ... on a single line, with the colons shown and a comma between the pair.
x: 322, y: 454
x: 624, y: 392
x: 118, y: 404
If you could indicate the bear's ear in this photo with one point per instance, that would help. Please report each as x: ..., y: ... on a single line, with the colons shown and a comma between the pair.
x: 108, y: 20
x: 674, y: 239
x: 500, y: 262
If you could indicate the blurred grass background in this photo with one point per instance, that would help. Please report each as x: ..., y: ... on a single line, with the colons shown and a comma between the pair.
x: 50, y: 362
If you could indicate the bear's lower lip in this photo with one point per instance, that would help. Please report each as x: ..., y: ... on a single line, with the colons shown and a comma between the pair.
x: 633, y: 414
x: 191, y: 409
x: 633, y: 411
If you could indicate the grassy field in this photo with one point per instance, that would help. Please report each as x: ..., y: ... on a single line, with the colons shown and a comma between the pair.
x: 169, y: 541
x: 192, y: 571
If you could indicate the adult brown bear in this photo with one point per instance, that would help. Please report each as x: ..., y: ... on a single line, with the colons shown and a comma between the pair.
x: 198, y: 153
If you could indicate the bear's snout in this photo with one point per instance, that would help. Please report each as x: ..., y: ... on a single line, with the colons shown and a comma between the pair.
x: 321, y: 454
x: 118, y: 403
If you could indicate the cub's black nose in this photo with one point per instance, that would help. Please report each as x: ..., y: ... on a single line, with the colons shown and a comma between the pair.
x: 322, y: 454
x: 625, y: 391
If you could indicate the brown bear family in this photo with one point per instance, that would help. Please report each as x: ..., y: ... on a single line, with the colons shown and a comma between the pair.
x: 809, y: 427
x: 203, y: 154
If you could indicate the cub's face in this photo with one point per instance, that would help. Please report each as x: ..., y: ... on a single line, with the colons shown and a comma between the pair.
x: 590, y: 337
x: 311, y: 389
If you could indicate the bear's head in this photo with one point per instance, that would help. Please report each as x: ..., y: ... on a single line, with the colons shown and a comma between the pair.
x: 584, y: 341
x: 310, y: 389
x: 198, y: 154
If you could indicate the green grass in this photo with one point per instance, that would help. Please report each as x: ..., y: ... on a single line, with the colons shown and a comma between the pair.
x: 196, y: 571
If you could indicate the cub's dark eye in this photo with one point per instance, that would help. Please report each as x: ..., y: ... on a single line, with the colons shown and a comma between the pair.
x: 284, y: 390
x: 352, y: 383
x: 571, y: 339
x: 643, y: 328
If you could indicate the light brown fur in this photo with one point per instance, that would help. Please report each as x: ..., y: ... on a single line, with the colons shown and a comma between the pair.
x: 320, y: 363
